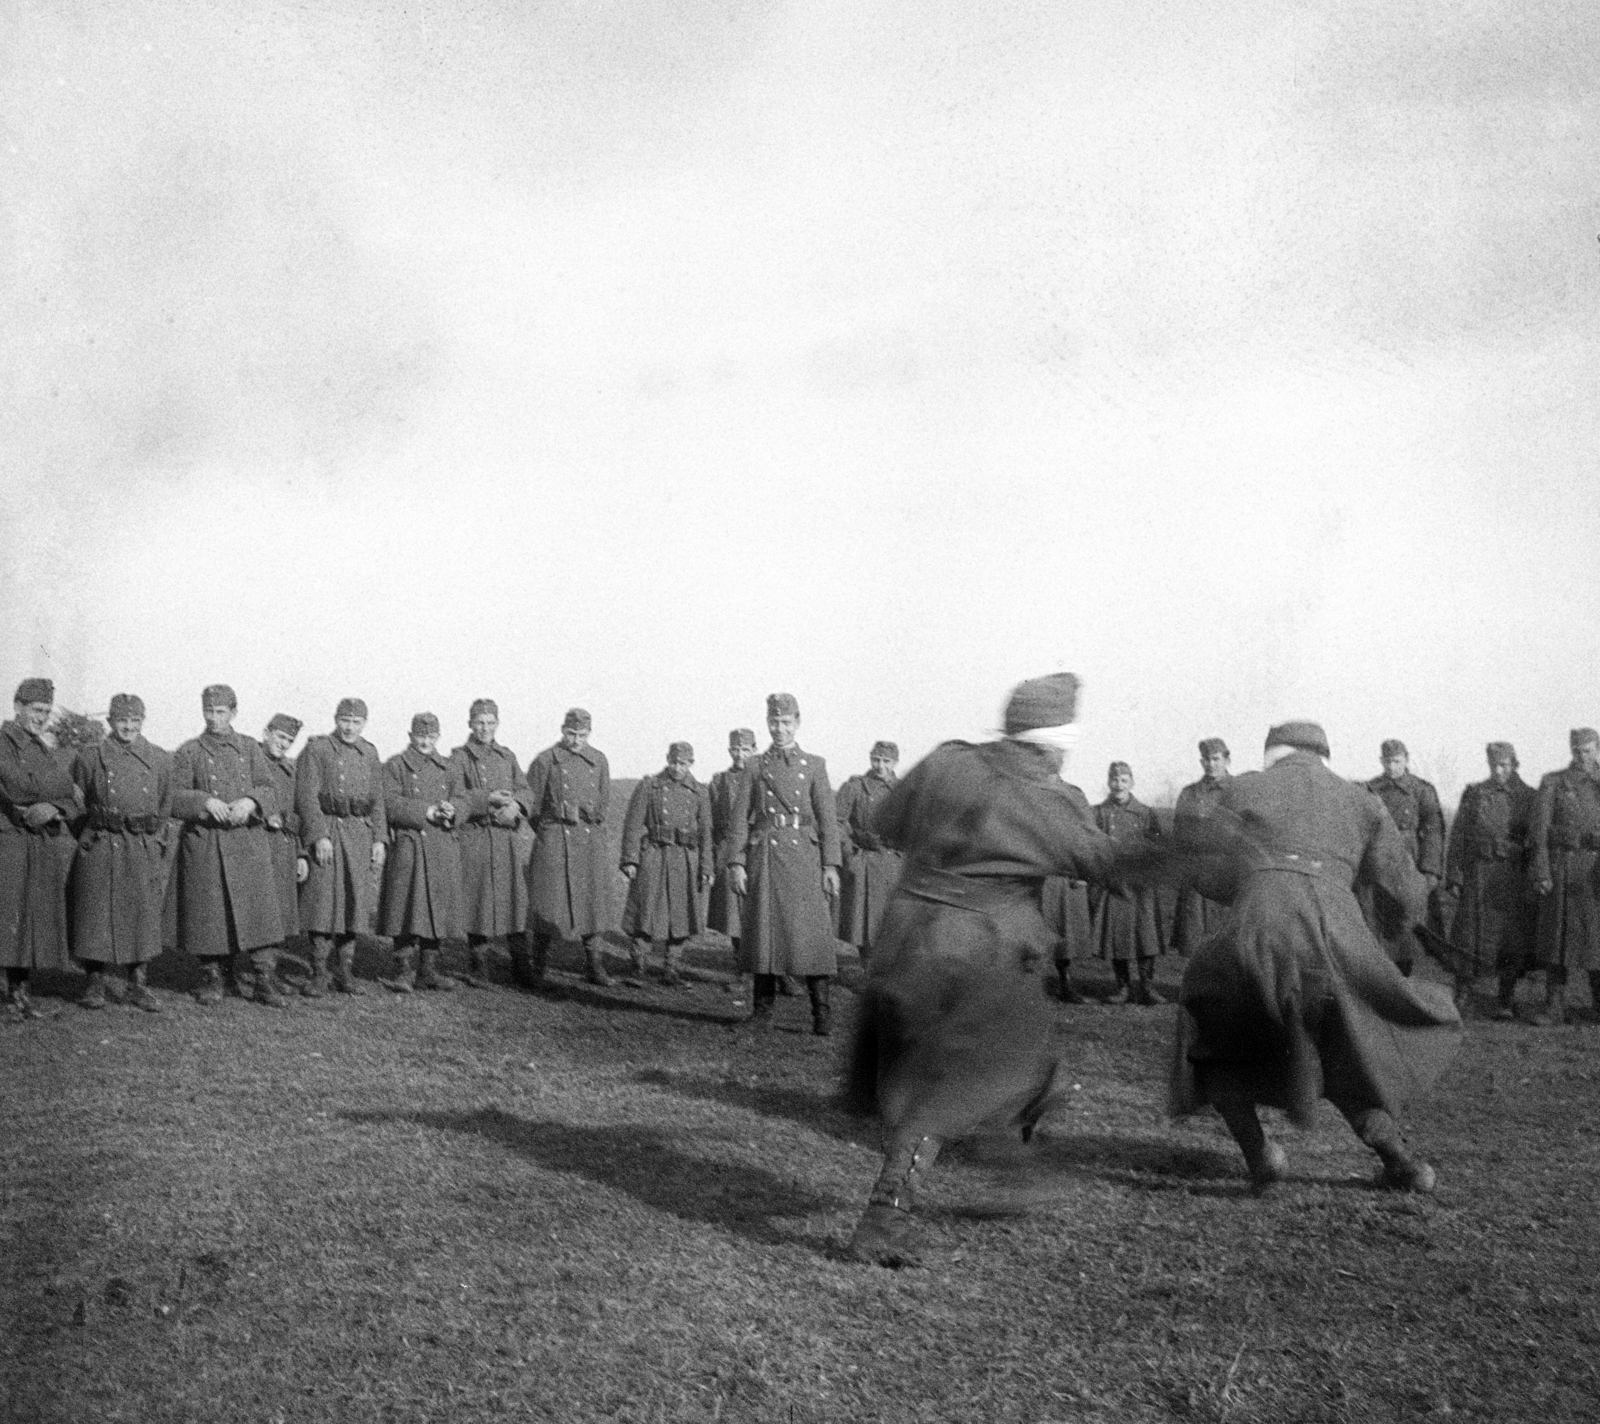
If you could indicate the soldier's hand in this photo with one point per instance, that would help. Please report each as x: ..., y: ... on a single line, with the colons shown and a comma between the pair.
x: 274, y: 823
x: 41, y: 813
x: 218, y: 810
x: 705, y: 883
x: 241, y: 811
x: 830, y: 881
x: 380, y: 853
x: 501, y: 798
x: 738, y: 879
x: 506, y: 816
x: 1546, y: 886
x: 629, y: 871
x: 302, y: 870
x: 323, y: 850
x: 447, y: 812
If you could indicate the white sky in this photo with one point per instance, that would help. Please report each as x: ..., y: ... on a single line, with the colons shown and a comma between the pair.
x: 1241, y: 357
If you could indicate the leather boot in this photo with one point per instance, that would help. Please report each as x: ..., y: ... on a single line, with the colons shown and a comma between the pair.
x: 139, y: 995
x: 538, y: 959
x: 638, y: 964
x: 1401, y: 1171
x: 763, y: 1000
x: 1124, y: 994
x: 476, y: 975
x: 319, y: 983
x: 674, y: 959
x: 241, y: 979
x: 94, y: 996
x: 821, y: 1010
x: 431, y: 978
x: 22, y: 1002
x: 1554, y: 1012
x: 529, y: 956
x: 268, y: 992
x: 886, y: 1234
x: 405, y: 974
x: 210, y: 990
x: 1505, y: 1005
x: 1266, y: 1161
x: 785, y: 985
x: 114, y: 986
x: 594, y: 965
x: 1069, y: 991
x: 1145, y: 994
x: 344, y: 973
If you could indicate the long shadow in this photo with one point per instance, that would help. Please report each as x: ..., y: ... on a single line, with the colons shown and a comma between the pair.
x: 615, y: 1001
x: 644, y: 1163
x: 823, y: 1112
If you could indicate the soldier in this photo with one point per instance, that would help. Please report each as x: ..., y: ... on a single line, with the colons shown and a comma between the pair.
x: 785, y: 864
x: 37, y: 803
x: 1127, y: 918
x: 491, y: 812
x: 723, y: 914
x: 226, y: 899
x: 1295, y: 1000
x: 289, y: 864
x: 339, y: 796
x: 421, y: 902
x: 667, y: 856
x: 1413, y: 805
x: 569, y: 876
x: 119, y: 877
x: 869, y: 868
x: 1064, y: 906
x: 1485, y: 872
x: 1564, y: 839
x: 1197, y: 916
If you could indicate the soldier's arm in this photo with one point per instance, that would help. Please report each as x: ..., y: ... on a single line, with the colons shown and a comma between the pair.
x: 1386, y: 863
x: 1544, y: 804
x: 403, y: 812
x: 188, y: 799
x: 1430, y: 833
x: 604, y: 797
x: 826, y: 814
x: 519, y: 789
x: 739, y: 817
x: 845, y: 803
x: 538, y: 784
x: 308, y: 794
x: 708, y: 845
x: 633, y: 822
x: 379, y: 815
x: 259, y: 774
x: 1455, y: 863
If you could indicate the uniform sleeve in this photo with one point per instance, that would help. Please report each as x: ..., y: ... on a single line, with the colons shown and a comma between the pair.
x: 1544, y: 805
x: 1455, y: 861
x: 708, y: 841
x: 408, y: 813
x: 308, y: 794
x: 262, y: 791
x: 471, y: 802
x: 605, y: 790
x: 188, y: 799
x: 1386, y: 863
x: 846, y: 804
x: 83, y: 771
x: 379, y: 815
x: 633, y: 822
x: 519, y: 789
x: 826, y: 814
x: 1430, y: 832
x: 739, y: 816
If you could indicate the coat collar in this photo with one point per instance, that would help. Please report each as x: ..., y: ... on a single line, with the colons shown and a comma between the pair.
x: 21, y: 737
x: 231, y: 739
x: 417, y: 760
x: 138, y: 748
x: 479, y: 752
x: 586, y: 754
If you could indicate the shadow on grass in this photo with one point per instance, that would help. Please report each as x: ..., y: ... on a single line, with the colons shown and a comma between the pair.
x: 622, y: 1000
x: 822, y: 1112
x: 642, y: 1162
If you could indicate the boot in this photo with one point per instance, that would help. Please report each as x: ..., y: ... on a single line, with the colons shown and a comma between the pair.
x: 1145, y: 994
x: 821, y: 1010
x: 1124, y: 994
x: 241, y: 980
x: 139, y: 995
x: 670, y: 976
x: 1504, y: 1004
x: 764, y: 1000
x: 405, y: 976
x: 22, y: 1002
x: 319, y: 983
x: 1069, y: 991
x: 1401, y: 1171
x: 344, y: 973
x: 1461, y: 994
x: 1266, y: 1161
x: 94, y: 996
x: 638, y: 964
x: 538, y: 959
x: 431, y: 977
x: 268, y: 993
x: 114, y: 986
x: 210, y: 990
x: 1554, y: 1012
x: 477, y: 972
x: 529, y: 956
x: 886, y: 1234
x: 785, y: 985
x: 594, y: 969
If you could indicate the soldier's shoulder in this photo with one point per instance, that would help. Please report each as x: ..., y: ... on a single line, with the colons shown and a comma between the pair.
x: 1554, y: 778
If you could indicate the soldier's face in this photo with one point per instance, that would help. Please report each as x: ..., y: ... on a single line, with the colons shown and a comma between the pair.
x: 1394, y: 767
x: 882, y: 766
x: 739, y: 755
x: 678, y: 767
x: 218, y: 719
x: 33, y: 715
x: 1588, y: 757
x: 1214, y: 764
x: 1120, y: 784
x: 484, y: 726
x: 1500, y: 770
x: 278, y: 743
x: 783, y: 727
x: 574, y: 739
x: 349, y: 728
x: 126, y: 729
x: 424, y: 742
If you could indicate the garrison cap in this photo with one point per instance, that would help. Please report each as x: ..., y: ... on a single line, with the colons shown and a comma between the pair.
x: 680, y: 751
x: 1392, y: 748
x: 782, y: 704
x: 1578, y: 737
x: 351, y: 707
x: 1042, y: 702
x: 126, y: 704
x: 1302, y: 736
x: 219, y: 694
x: 283, y: 722
x: 36, y: 689
x: 483, y: 704
x: 576, y: 720
x: 741, y: 737
x: 425, y: 724
x: 1501, y: 751
x: 1117, y: 766
x: 1214, y: 746
x: 885, y: 749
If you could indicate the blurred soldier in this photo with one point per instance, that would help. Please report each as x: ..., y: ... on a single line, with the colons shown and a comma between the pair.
x: 1294, y: 1000
x: 667, y: 857
x: 724, y: 911
x: 569, y: 877
x: 1485, y: 871
x: 1413, y: 805
x: 421, y: 902
x: 339, y: 795
x: 1064, y: 906
x: 1127, y: 918
x: 120, y: 874
x: 1197, y: 916
x: 289, y: 864
x: 37, y: 803
x: 870, y: 868
x: 491, y: 809
x: 226, y: 898
x: 1564, y: 841
x: 786, y: 864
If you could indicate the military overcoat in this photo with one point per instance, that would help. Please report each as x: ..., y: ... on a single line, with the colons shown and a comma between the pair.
x: 869, y: 868
x: 785, y: 808
x: 570, y: 873
x: 283, y: 842
x: 1127, y: 918
x: 1486, y: 865
x: 1196, y: 916
x: 422, y: 876
x: 1564, y: 848
x: 667, y: 835
x: 120, y: 874
x: 338, y: 791
x: 494, y: 859
x: 722, y: 913
x: 1064, y: 899
x: 226, y: 898
x: 34, y: 865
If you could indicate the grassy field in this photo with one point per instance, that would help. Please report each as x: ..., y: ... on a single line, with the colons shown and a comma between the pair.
x: 620, y: 1205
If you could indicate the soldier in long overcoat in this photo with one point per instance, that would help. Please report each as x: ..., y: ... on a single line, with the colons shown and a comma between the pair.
x: 289, y: 864
x: 954, y: 1033
x: 339, y: 795
x: 869, y: 868
x: 1196, y: 917
x: 420, y: 905
x: 1127, y: 918
x: 1486, y: 874
x: 225, y: 895
x: 1064, y: 905
x: 120, y: 874
x: 569, y: 874
x: 1295, y: 1000
x: 723, y: 911
x: 492, y: 830
x: 1563, y: 862
x: 785, y: 863
x: 38, y: 802
x: 667, y: 857
x: 1413, y: 805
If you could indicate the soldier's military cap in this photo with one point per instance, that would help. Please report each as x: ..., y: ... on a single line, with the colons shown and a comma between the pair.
x: 425, y: 724
x: 576, y: 720
x: 741, y: 737
x: 1118, y: 766
x: 1502, y: 751
x: 1393, y: 747
x: 886, y: 749
x: 36, y: 689
x: 1302, y: 736
x: 1042, y: 702
x: 1214, y: 746
x: 283, y: 722
x: 219, y: 694
x: 482, y: 705
x: 126, y: 704
x: 680, y: 751
x: 1578, y: 737
x: 782, y: 704
x: 351, y: 707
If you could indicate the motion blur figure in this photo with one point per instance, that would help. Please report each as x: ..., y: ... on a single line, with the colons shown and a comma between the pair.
x: 1196, y: 916
x: 1564, y: 860
x: 1127, y: 918
x: 868, y: 868
x: 1294, y: 999
x: 1413, y: 806
x: 667, y: 857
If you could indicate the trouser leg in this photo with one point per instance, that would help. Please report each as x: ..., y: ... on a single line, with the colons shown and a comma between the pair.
x: 139, y: 994
x: 821, y: 1010
x: 344, y: 975
x: 763, y: 999
x: 1124, y: 993
x: 1505, y: 997
x: 594, y: 965
x: 405, y: 960
x: 1146, y: 993
x: 94, y: 993
x: 1401, y: 1170
x: 671, y: 955
x: 265, y: 964
x: 321, y: 947
x: 884, y: 1235
x: 1265, y: 1160
x: 639, y: 959
x: 476, y: 974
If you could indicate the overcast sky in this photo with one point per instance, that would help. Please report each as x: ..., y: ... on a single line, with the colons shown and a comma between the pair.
x: 1241, y: 357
